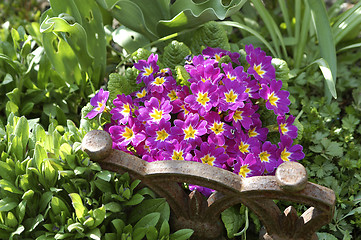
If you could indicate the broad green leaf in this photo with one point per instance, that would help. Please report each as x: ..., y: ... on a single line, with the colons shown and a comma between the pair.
x: 8, y: 186
x: 39, y: 155
x: 22, y: 131
x: 135, y: 200
x: 104, y: 175
x: 148, y: 206
x: 164, y: 229
x: 211, y: 34
x: 7, y: 172
x: 14, y: 96
x: 18, y: 231
x: 94, y: 234
x: 77, y: 202
x: 326, y: 43
x: 35, y: 222
x: 7, y: 204
x: 174, y: 54
x: 62, y: 57
x: 129, y: 39
x: 182, y: 234
x: 232, y: 220
x: 149, y: 220
x: 21, y: 210
x: 99, y: 216
x: 187, y: 14
x: 152, y: 233
x: 76, y: 226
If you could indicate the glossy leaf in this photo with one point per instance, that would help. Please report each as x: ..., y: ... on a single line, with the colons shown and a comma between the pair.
x: 77, y: 203
x: 182, y: 234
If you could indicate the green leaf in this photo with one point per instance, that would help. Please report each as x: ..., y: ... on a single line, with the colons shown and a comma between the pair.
x: 99, y: 216
x: 94, y: 234
x: 348, y: 22
x: 8, y: 186
x: 39, y: 155
x: 325, y: 236
x: 326, y: 43
x: 18, y: 231
x: 327, y: 74
x: 174, y: 54
x: 76, y: 226
x: 232, y: 220
x: 104, y: 175
x: 152, y: 233
x: 252, y: 31
x: 7, y: 204
x: 272, y: 27
x: 35, y: 222
x: 149, y: 220
x: 211, y: 34
x: 350, y: 122
x: 128, y: 39
x: 164, y: 229
x: 77, y: 202
x: 182, y: 234
x: 148, y: 206
x: 135, y: 200
x: 188, y: 14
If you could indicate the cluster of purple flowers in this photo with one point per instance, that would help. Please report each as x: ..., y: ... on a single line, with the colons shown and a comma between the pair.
x: 214, y: 121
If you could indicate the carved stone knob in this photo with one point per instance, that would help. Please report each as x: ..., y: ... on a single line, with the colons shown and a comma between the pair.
x: 291, y: 176
x: 97, y: 144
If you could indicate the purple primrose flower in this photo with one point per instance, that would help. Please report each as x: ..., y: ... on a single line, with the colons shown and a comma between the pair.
x: 99, y: 101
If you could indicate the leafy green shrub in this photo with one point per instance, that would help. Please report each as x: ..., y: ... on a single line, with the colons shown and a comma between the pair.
x: 49, y: 189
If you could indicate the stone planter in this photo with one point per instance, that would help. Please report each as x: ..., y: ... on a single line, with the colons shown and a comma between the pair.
x: 203, y: 216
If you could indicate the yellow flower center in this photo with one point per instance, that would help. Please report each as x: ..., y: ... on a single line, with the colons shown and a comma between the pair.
x: 264, y: 156
x: 285, y: 155
x: 273, y: 99
x: 142, y: 93
x: 159, y: 81
x: 177, y: 155
x: 128, y: 133
x: 126, y: 109
x: 100, y: 105
x: 231, y: 97
x: 189, y: 132
x: 283, y: 128
x: 148, y: 71
x: 230, y: 77
x: 172, y: 95
x: 208, y: 160
x: 244, y: 171
x: 258, y: 69
x: 203, y: 98
x: 243, y: 147
x: 217, y: 57
x: 252, y: 132
x: 185, y: 110
x: 156, y: 114
x: 217, y: 128
x: 237, y: 116
x: 162, y: 135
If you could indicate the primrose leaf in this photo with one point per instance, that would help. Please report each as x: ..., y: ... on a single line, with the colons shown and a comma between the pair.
x: 174, y: 54
x: 211, y: 34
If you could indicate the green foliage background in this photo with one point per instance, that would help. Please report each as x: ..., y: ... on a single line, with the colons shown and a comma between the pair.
x: 50, y: 189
